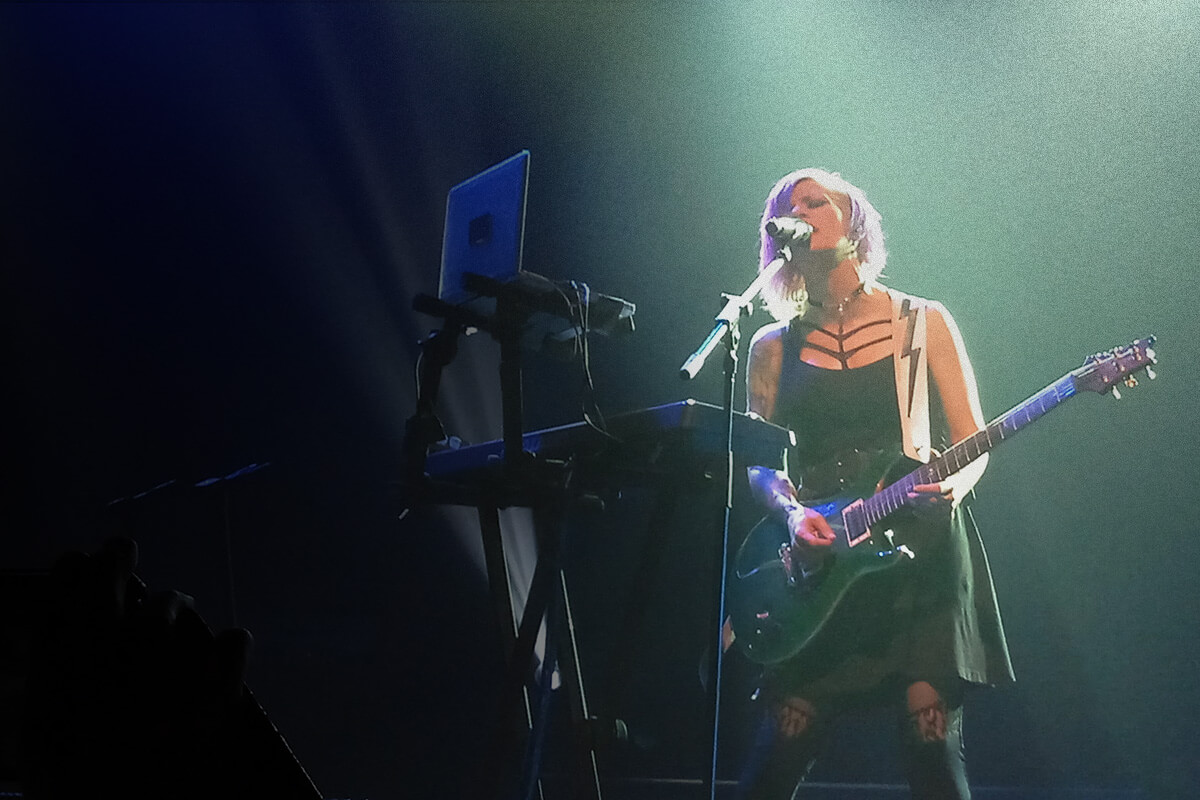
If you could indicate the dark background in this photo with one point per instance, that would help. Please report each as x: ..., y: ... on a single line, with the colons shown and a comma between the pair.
x: 215, y: 218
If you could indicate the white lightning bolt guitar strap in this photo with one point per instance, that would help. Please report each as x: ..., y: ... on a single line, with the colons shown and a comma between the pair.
x: 911, y: 359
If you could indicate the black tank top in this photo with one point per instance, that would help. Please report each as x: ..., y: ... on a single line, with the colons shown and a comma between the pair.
x: 844, y: 419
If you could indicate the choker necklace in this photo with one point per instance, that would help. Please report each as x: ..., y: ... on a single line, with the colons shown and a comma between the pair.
x: 842, y: 305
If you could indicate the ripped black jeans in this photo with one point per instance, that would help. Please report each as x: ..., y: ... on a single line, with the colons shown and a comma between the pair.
x: 792, y: 732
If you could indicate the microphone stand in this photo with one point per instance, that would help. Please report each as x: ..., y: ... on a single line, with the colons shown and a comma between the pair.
x: 727, y: 329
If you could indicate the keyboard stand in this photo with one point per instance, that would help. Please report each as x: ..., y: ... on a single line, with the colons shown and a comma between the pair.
x: 525, y: 481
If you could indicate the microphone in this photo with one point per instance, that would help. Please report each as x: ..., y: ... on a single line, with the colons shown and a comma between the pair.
x: 786, y: 230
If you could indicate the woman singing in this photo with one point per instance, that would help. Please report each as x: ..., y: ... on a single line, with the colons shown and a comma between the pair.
x: 857, y: 371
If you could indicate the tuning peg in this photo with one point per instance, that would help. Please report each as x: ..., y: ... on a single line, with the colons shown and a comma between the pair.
x: 1150, y: 373
x: 1131, y: 382
x: 1116, y: 393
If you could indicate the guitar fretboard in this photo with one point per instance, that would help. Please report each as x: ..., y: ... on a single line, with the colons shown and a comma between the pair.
x: 894, y: 497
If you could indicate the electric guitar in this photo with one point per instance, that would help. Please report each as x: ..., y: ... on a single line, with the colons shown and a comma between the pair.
x: 782, y: 595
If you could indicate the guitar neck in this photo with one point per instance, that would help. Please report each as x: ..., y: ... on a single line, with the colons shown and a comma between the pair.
x: 895, y: 496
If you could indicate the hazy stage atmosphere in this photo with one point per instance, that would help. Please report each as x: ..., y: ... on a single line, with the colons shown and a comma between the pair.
x: 217, y: 217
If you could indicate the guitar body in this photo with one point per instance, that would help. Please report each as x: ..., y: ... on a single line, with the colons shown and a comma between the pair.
x: 778, y: 604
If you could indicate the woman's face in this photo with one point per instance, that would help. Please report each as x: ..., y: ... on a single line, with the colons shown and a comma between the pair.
x: 827, y: 211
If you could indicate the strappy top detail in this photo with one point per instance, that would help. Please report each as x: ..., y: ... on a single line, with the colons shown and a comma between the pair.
x: 842, y: 354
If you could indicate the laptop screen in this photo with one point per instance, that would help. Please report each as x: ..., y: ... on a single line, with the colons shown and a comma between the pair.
x: 485, y: 227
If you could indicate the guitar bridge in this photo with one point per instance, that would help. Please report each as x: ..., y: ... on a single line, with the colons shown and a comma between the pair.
x: 796, y: 568
x: 785, y: 557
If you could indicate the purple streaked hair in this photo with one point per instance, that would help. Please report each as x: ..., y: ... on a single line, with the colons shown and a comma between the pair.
x: 785, y: 296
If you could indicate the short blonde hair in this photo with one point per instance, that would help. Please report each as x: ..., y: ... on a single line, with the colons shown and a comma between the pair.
x: 785, y: 296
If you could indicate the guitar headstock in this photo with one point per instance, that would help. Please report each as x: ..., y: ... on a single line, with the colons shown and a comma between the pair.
x: 1103, y: 371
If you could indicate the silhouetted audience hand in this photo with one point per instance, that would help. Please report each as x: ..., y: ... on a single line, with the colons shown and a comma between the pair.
x: 130, y: 695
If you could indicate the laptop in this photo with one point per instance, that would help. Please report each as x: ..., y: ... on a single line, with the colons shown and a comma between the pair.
x: 485, y: 230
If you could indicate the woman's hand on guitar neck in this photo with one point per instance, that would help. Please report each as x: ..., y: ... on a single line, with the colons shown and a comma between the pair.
x: 928, y: 497
x: 808, y: 528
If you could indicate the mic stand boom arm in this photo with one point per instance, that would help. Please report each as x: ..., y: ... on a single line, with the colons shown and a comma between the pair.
x: 735, y: 306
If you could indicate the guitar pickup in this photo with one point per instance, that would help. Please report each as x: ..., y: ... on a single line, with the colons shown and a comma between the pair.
x: 855, y: 524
